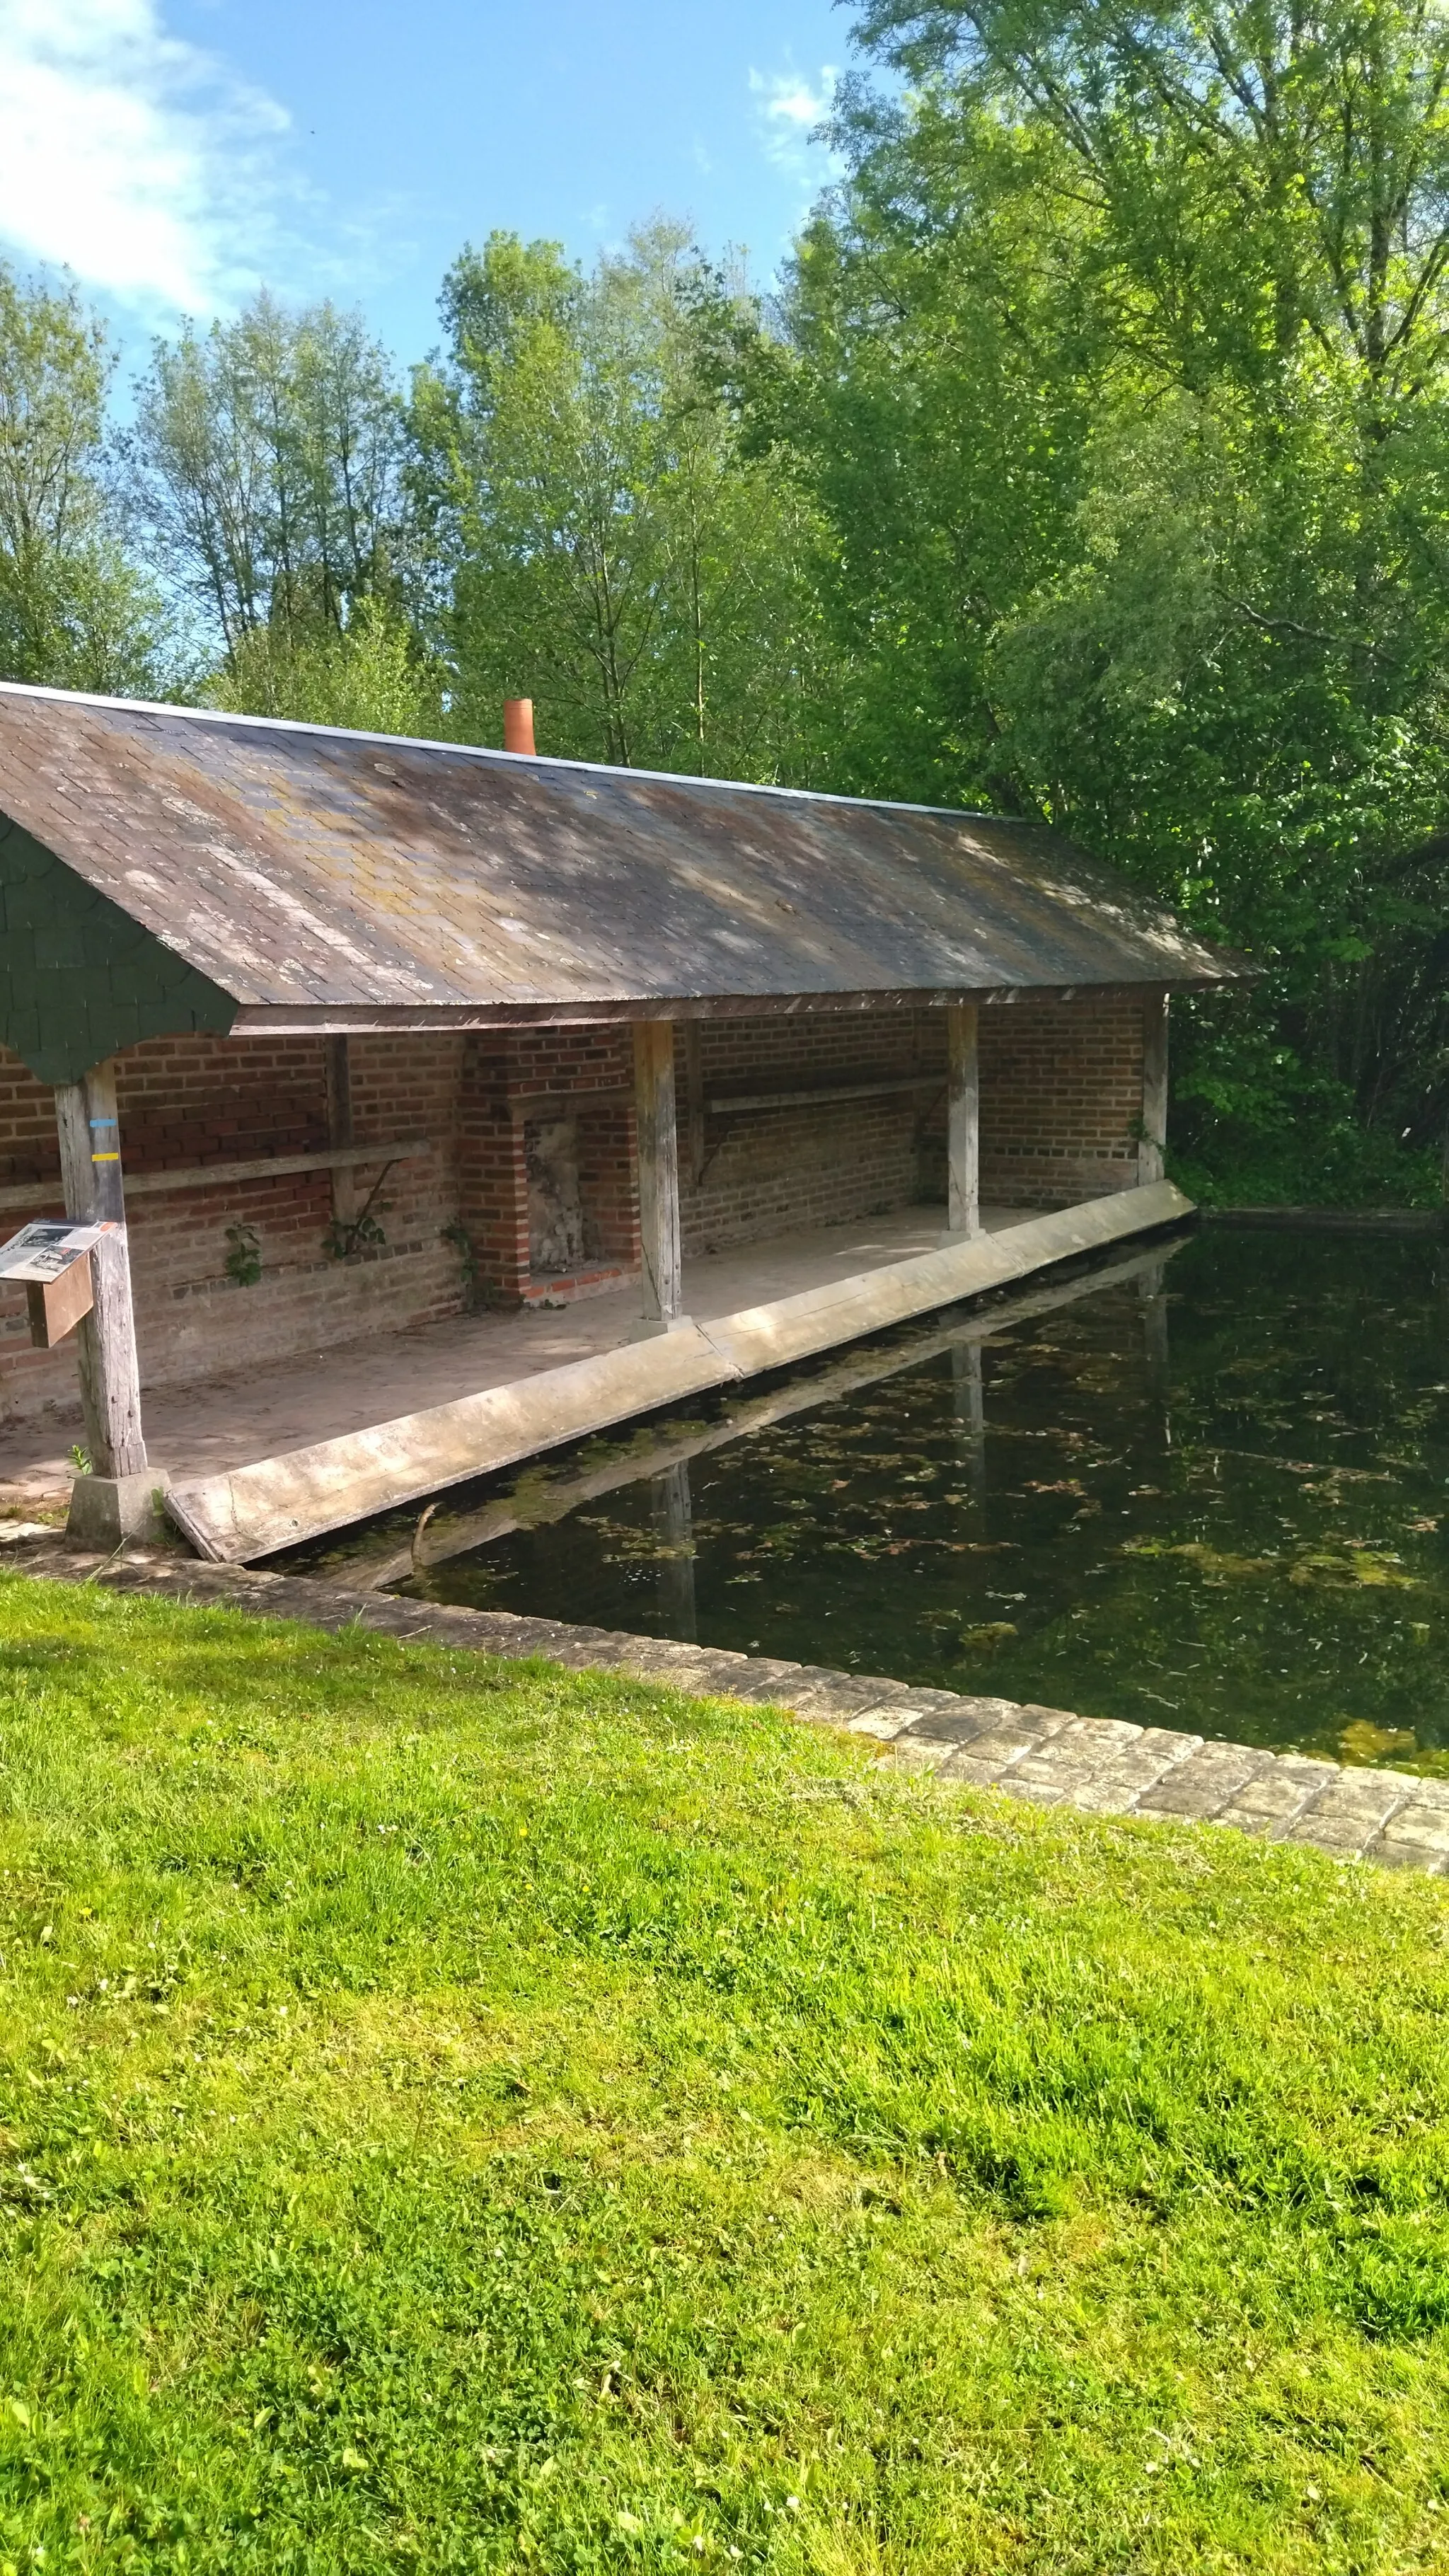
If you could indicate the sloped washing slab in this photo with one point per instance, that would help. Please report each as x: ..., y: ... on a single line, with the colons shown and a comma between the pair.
x: 280, y: 1502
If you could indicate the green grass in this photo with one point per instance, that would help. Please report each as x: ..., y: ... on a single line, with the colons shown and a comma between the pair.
x: 461, y: 2116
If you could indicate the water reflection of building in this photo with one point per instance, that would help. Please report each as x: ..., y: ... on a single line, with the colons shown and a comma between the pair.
x: 671, y: 1512
x: 1152, y: 1294
x: 968, y: 1397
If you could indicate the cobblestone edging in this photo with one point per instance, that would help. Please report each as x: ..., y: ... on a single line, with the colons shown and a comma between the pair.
x: 1101, y: 1766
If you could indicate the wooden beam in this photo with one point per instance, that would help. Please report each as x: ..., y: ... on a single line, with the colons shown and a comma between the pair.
x: 520, y: 1105
x: 694, y: 1101
x: 544, y: 1498
x: 277, y: 1502
x: 963, y: 1122
x: 274, y: 1167
x: 210, y: 1176
x: 819, y: 1095
x: 330, y: 1019
x: 658, y: 1145
x: 90, y: 1166
x: 339, y: 1128
x: 1151, y: 1151
x: 24, y: 1194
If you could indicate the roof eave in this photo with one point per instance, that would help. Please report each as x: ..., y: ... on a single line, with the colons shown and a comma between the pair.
x: 360, y: 1019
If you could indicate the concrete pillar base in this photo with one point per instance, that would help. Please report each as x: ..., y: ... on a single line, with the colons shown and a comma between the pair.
x: 106, y: 1510
x: 649, y: 1327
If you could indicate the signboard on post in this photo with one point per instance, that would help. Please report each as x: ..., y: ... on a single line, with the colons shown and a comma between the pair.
x: 53, y: 1260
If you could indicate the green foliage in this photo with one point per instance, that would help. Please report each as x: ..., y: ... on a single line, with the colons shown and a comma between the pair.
x: 369, y: 676
x: 465, y: 2116
x: 243, y: 1261
x: 456, y: 1233
x: 74, y: 611
x: 613, y: 552
x: 362, y: 1231
x: 1119, y: 373
x: 266, y: 465
x: 346, y: 1235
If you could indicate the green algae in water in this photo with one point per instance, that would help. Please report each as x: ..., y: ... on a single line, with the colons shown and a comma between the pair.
x: 1220, y: 1505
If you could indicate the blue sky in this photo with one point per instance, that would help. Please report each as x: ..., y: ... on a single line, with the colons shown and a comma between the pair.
x: 171, y: 153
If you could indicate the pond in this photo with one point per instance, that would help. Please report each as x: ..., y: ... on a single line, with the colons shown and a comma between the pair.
x: 1211, y: 1494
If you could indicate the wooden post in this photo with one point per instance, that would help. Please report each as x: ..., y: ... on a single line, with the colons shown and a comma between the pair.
x: 654, y: 1116
x: 90, y: 1165
x: 339, y: 1127
x: 1152, y: 1149
x: 963, y: 1121
x: 694, y: 1098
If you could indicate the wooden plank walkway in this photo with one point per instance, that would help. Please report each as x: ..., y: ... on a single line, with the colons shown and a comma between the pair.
x: 1101, y: 1766
x: 281, y: 1501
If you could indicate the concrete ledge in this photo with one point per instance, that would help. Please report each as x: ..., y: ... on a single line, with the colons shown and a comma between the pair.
x: 278, y: 1502
x: 1045, y: 1756
x: 1323, y: 1220
x: 796, y: 1328
x: 282, y: 1500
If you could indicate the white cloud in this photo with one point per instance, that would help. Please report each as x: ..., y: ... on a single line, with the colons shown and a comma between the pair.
x: 132, y: 158
x: 789, y: 110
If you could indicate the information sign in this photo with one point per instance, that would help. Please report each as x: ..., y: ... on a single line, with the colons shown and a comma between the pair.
x: 46, y: 1251
x: 51, y: 1258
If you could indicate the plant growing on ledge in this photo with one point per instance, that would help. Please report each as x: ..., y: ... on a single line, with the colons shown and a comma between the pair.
x: 456, y: 1233
x: 346, y: 1235
x: 243, y: 1262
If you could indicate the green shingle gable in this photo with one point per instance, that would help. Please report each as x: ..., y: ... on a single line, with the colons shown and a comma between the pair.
x: 79, y: 979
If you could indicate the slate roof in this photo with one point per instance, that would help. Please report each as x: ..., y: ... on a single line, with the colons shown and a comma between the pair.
x: 310, y: 874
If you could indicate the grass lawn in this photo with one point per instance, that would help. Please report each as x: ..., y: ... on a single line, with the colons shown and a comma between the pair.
x: 466, y: 2116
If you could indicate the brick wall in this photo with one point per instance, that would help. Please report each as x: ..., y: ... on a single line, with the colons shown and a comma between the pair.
x: 768, y: 1170
x: 1061, y: 1093
x: 504, y: 1080
x: 186, y: 1101
x: 1061, y: 1097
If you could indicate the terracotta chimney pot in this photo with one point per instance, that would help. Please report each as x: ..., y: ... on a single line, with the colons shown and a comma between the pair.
x: 518, y: 725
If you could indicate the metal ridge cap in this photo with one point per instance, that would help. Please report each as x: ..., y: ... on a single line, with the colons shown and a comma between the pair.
x: 525, y: 759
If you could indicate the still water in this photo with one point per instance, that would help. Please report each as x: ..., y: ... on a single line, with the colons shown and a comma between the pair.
x: 1212, y: 1495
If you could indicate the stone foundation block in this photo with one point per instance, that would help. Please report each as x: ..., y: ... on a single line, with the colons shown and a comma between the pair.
x: 650, y: 1328
x: 105, y: 1510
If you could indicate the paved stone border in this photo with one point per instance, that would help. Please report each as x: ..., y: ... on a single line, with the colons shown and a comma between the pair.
x: 1099, y: 1765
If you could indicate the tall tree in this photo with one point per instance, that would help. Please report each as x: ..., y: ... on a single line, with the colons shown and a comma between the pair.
x: 267, y: 458
x: 615, y: 553
x: 1121, y: 369
x: 75, y: 611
